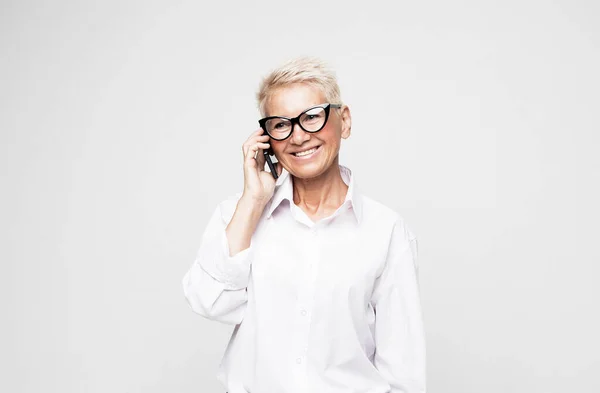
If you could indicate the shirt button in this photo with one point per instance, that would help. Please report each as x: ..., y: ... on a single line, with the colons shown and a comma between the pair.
x: 299, y: 360
x: 303, y: 312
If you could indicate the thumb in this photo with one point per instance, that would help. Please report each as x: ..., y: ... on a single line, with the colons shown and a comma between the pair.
x: 260, y: 160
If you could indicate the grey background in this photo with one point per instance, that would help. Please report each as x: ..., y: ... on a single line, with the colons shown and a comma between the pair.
x: 121, y: 129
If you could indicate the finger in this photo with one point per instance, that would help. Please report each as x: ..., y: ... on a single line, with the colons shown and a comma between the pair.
x: 253, y: 148
x: 259, y: 155
x: 253, y: 140
x: 255, y: 158
x: 249, y: 160
x: 255, y: 133
x: 260, y: 160
x: 251, y: 151
x: 258, y: 138
x: 245, y: 149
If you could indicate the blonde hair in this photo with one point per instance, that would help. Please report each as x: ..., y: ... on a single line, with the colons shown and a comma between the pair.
x: 308, y: 70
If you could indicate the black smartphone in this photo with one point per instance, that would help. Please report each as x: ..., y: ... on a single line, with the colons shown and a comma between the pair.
x: 268, y: 153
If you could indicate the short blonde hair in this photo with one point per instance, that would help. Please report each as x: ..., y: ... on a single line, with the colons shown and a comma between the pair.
x: 308, y: 70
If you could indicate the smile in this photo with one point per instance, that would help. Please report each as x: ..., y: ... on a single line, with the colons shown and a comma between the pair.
x: 306, y: 153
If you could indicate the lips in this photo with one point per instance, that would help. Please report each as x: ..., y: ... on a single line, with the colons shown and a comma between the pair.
x: 306, y: 152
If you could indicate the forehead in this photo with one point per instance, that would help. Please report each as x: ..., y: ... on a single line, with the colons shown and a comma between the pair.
x: 291, y: 100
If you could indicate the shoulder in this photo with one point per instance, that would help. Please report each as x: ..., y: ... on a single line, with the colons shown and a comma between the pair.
x: 399, y: 236
x: 379, y: 215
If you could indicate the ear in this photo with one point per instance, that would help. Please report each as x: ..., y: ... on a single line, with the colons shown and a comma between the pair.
x: 346, y: 121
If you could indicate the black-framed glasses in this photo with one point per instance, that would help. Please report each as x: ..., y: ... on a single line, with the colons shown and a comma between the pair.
x: 311, y: 120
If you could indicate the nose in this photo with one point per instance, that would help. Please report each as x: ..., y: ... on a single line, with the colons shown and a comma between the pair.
x: 299, y: 136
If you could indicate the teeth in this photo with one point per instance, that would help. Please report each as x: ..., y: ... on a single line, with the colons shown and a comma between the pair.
x: 306, y: 152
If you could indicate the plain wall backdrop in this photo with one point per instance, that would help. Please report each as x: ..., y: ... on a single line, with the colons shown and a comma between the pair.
x: 121, y: 129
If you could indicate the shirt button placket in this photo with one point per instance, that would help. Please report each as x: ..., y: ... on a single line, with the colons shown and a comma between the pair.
x: 305, y: 300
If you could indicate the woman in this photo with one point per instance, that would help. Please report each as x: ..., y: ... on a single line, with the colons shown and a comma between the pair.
x: 319, y: 279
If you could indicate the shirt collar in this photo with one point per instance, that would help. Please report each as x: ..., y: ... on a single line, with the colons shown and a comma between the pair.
x: 284, y: 190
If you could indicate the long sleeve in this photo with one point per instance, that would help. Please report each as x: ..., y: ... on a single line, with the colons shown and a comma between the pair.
x: 399, y: 334
x: 215, y: 285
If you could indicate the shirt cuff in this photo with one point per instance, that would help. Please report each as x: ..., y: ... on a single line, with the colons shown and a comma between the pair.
x: 233, y: 271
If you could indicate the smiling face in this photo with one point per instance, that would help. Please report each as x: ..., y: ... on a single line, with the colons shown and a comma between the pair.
x: 317, y: 151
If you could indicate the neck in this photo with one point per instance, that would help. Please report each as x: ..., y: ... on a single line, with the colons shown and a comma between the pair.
x: 321, y: 195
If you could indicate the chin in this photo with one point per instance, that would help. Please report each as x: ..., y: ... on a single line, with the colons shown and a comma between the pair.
x: 308, y: 171
x: 311, y: 166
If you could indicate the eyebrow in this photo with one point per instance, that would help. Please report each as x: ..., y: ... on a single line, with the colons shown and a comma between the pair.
x: 302, y: 111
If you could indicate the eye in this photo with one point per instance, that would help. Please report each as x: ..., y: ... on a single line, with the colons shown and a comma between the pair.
x: 315, y: 113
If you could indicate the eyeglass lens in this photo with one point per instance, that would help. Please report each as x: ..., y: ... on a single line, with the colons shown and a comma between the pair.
x: 312, y: 120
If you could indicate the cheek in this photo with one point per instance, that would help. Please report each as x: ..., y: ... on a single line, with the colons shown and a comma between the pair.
x: 331, y: 135
x: 278, y: 148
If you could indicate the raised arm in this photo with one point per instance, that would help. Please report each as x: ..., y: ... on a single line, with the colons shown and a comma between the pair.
x: 216, y: 284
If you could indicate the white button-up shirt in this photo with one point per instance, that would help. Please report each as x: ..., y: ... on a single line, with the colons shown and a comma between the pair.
x: 323, y: 307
